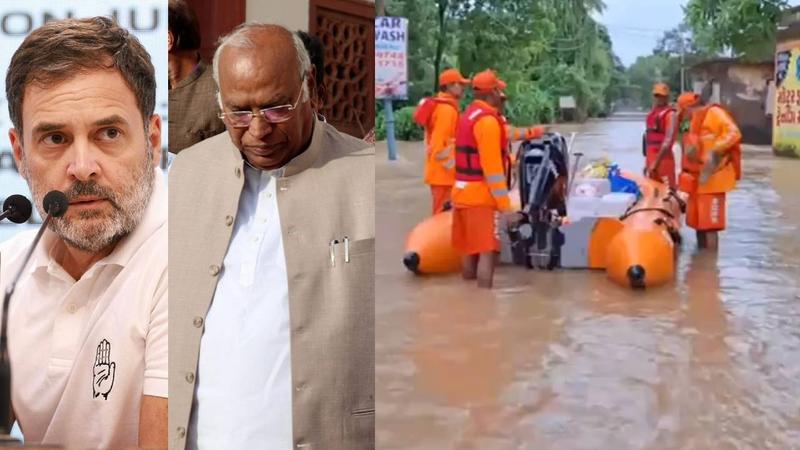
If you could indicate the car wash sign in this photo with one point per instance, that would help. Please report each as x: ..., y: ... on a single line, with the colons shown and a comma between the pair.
x: 391, y: 57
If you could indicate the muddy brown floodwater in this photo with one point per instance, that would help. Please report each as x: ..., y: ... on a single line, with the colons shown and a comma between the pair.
x: 567, y: 360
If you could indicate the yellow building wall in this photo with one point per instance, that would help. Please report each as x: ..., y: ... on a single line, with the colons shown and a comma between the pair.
x: 786, y: 117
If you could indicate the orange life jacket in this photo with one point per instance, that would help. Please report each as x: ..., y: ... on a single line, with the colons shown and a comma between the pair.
x: 468, y: 161
x: 481, y: 179
x: 656, y: 130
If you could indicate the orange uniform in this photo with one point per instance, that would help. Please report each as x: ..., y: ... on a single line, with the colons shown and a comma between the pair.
x: 440, y: 136
x: 660, y: 123
x: 712, y: 131
x: 660, y: 132
x: 480, y: 189
x: 523, y: 134
x: 440, y: 131
x: 516, y: 134
x: 440, y: 171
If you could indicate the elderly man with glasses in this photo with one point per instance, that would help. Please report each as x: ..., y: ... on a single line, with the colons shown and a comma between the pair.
x: 272, y: 264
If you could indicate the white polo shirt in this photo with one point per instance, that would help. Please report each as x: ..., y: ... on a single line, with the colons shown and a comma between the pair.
x: 84, y: 352
x: 243, y: 395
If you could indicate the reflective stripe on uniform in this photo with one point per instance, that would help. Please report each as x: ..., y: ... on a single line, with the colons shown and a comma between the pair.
x: 499, y: 192
x: 461, y: 184
x: 496, y: 178
x: 475, y: 114
x: 441, y: 155
x: 449, y: 164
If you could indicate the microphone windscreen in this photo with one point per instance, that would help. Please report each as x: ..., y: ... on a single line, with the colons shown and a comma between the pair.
x: 20, y: 208
x: 55, y: 203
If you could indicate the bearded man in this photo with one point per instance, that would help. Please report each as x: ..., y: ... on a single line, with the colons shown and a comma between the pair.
x: 88, y: 321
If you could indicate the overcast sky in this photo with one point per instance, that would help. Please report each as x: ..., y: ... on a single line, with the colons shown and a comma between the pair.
x: 636, y: 25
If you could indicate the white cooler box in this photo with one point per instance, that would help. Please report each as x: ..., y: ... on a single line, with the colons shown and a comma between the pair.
x: 584, y: 212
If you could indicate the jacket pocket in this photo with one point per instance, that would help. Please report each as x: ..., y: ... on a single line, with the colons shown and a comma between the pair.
x: 363, y: 412
x: 359, y: 430
x: 353, y: 253
x: 355, y: 248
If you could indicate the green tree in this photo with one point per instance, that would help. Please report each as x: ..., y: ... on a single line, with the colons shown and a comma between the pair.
x: 676, y: 41
x: 421, y: 16
x: 543, y: 49
x: 651, y: 69
x: 675, y: 49
x: 745, y: 27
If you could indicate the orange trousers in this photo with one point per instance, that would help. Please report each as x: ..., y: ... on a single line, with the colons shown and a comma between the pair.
x: 706, y: 212
x: 440, y: 195
x: 474, y: 230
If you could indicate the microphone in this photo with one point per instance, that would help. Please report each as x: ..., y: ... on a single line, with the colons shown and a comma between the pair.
x: 55, y: 204
x: 17, y: 209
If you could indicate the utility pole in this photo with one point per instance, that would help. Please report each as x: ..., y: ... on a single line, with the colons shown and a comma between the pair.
x: 683, y: 65
x: 380, y: 8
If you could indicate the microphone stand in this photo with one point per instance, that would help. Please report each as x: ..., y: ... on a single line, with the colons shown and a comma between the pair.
x: 5, y: 364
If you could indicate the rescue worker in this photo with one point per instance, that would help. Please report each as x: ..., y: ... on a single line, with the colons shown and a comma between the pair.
x: 440, y: 133
x: 480, y: 193
x: 439, y: 117
x: 710, y: 165
x: 660, y: 137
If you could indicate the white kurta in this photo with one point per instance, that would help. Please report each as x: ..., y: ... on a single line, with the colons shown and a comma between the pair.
x: 243, y: 395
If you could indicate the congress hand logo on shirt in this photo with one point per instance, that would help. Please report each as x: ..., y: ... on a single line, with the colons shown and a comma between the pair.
x: 103, y: 370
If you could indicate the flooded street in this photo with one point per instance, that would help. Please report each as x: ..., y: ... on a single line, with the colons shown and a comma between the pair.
x: 567, y: 360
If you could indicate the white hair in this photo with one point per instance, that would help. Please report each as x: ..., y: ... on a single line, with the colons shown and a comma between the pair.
x: 238, y: 38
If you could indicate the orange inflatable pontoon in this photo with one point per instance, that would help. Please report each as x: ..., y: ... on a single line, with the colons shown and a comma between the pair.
x: 640, y: 250
x: 637, y: 250
x: 429, y: 249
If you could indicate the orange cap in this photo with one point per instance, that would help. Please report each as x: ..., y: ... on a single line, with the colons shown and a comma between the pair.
x: 451, y: 76
x: 688, y: 99
x: 661, y: 89
x: 486, y: 81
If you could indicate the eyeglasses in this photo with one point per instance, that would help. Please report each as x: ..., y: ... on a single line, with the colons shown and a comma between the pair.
x: 274, y: 114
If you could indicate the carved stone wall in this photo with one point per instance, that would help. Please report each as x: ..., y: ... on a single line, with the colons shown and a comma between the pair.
x: 347, y: 31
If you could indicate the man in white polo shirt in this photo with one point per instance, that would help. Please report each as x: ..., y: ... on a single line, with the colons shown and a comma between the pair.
x: 88, y: 322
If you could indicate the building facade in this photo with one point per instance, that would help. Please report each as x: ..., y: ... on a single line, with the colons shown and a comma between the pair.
x: 744, y: 88
x: 786, y: 117
x: 346, y: 29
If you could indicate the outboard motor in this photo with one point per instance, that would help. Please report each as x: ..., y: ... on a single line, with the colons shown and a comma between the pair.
x: 543, y: 172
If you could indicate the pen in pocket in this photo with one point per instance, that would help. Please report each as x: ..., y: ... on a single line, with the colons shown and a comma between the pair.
x: 332, y: 247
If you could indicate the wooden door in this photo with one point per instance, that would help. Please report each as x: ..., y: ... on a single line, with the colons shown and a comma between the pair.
x: 217, y: 18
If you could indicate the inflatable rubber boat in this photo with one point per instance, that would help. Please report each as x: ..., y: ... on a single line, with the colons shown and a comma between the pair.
x: 636, y: 249
x: 639, y: 249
